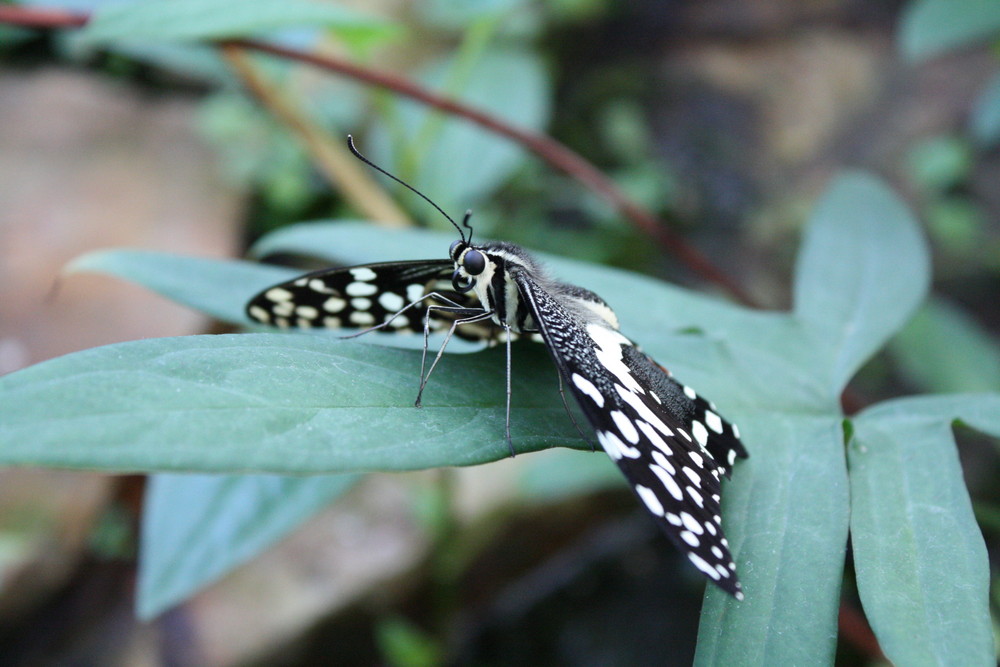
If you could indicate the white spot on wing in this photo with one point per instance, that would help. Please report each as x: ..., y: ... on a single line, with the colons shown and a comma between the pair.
x: 278, y: 294
x: 391, y: 301
x: 361, y: 303
x: 363, y: 273
x: 700, y: 432
x: 360, y: 289
x: 691, y: 523
x: 334, y: 304
x: 307, y: 312
x: 633, y: 400
x: 625, y: 426
x: 414, y: 292
x: 690, y: 393
x: 713, y: 421
x: 648, y: 497
x: 362, y: 318
x: 260, y: 314
x: 662, y: 461
x: 318, y: 285
x: 655, y: 438
x: 609, y: 354
x: 700, y: 563
x: 588, y: 388
x: 668, y: 482
x: 690, y: 538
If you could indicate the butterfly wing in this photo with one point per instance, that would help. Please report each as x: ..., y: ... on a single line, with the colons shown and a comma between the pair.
x: 366, y: 296
x: 670, y: 444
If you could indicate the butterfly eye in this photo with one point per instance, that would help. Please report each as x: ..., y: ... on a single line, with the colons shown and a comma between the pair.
x: 475, y: 262
x: 456, y: 249
x: 462, y: 283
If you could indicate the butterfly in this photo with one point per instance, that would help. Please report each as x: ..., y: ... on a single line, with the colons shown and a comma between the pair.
x: 671, y: 444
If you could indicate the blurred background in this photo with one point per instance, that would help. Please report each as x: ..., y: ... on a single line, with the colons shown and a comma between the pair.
x: 724, y: 118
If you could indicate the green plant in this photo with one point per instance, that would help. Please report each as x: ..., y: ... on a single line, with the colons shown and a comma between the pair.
x: 300, y: 404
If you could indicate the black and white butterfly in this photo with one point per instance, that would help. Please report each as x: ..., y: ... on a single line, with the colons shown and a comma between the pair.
x: 672, y: 445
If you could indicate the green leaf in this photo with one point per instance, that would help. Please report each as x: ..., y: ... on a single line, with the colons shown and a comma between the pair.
x: 922, y: 568
x: 985, y: 119
x: 786, y: 514
x: 271, y: 403
x: 944, y: 350
x: 862, y: 271
x: 457, y: 162
x: 198, y: 527
x: 185, y: 20
x: 930, y: 28
x: 220, y: 288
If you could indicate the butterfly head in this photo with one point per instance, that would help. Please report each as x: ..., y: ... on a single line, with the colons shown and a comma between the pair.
x: 470, y: 263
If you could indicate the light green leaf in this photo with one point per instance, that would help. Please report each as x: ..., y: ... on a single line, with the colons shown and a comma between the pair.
x: 271, y: 403
x: 786, y: 514
x: 922, y: 568
x: 220, y: 288
x: 454, y: 162
x: 985, y: 119
x: 198, y: 527
x: 185, y: 20
x: 863, y: 269
x: 929, y: 28
x: 944, y: 350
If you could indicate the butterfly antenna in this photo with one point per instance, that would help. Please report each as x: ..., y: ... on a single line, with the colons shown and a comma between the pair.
x: 357, y: 154
x: 465, y: 223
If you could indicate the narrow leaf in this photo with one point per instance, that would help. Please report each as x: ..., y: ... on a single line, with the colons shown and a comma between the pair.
x: 451, y: 160
x: 175, y: 20
x: 786, y: 514
x: 219, y: 288
x: 922, y: 568
x: 862, y: 271
x: 196, y: 528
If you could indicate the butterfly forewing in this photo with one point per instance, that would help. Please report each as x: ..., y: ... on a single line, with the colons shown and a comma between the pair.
x: 361, y: 297
x: 664, y: 438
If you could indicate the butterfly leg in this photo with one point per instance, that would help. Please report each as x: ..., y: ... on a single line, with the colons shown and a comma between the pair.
x: 510, y: 443
x: 569, y: 413
x: 466, y: 316
x: 432, y: 295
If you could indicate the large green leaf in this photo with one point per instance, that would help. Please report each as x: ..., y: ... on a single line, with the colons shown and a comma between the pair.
x: 174, y: 20
x: 922, y: 568
x: 931, y: 27
x: 271, y: 403
x: 195, y: 528
x: 786, y: 515
x: 862, y: 271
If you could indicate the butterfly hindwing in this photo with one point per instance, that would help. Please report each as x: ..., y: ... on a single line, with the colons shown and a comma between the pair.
x: 366, y: 296
x: 660, y: 435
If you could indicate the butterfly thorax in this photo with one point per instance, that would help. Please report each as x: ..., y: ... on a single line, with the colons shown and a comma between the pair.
x: 492, y: 277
